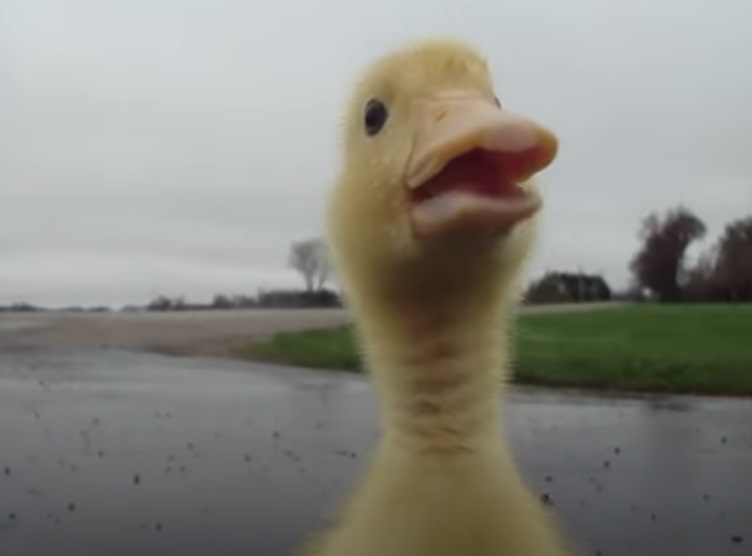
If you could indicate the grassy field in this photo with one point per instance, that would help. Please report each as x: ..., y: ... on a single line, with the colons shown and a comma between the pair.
x: 681, y: 348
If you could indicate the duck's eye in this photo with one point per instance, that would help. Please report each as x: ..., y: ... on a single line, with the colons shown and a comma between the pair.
x: 375, y: 116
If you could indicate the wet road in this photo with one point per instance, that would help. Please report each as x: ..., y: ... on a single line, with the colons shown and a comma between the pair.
x: 115, y: 453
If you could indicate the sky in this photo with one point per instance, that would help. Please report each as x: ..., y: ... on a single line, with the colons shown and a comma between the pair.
x: 179, y: 146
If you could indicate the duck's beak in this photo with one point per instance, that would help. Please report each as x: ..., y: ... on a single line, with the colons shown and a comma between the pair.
x: 452, y: 124
x: 469, y: 157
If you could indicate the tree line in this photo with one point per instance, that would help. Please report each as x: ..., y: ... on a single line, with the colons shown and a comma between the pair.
x: 723, y: 272
x: 659, y: 269
x: 309, y: 257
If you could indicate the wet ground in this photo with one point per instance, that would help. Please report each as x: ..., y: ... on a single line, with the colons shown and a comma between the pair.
x: 114, y: 453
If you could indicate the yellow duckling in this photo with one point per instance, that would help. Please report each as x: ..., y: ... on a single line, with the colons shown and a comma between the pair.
x: 430, y: 224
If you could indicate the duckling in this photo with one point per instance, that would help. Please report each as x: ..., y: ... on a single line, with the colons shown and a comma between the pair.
x: 430, y: 224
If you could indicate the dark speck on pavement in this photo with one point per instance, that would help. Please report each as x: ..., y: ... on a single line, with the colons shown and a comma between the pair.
x: 258, y: 455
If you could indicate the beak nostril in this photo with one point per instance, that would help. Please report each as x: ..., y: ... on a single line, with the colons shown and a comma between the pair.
x: 440, y: 113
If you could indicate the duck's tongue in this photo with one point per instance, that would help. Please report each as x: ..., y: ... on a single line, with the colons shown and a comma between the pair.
x: 468, y: 162
x: 478, y: 172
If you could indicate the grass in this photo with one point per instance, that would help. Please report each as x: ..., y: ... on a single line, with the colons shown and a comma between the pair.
x: 678, y: 348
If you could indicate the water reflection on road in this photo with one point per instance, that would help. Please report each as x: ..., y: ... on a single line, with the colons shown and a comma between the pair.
x: 116, y: 453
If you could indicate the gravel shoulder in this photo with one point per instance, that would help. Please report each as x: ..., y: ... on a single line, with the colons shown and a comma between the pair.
x: 188, y: 333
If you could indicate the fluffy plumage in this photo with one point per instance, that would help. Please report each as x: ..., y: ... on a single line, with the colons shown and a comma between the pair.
x: 433, y: 307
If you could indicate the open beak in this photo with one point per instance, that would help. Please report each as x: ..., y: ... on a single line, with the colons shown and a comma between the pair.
x: 468, y: 161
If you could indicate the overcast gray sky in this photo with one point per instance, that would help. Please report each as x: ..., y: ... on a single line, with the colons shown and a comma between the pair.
x: 178, y: 146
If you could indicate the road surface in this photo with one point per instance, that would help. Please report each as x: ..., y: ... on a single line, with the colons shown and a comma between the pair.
x: 120, y: 453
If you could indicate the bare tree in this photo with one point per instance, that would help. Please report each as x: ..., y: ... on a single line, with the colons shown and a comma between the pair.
x: 734, y: 262
x: 311, y: 258
x: 702, y: 279
x: 659, y: 265
x: 325, y: 269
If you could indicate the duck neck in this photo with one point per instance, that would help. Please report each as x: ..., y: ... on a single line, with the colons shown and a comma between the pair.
x: 438, y: 370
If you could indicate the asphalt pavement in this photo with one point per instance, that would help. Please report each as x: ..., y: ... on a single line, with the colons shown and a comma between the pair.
x: 111, y: 452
